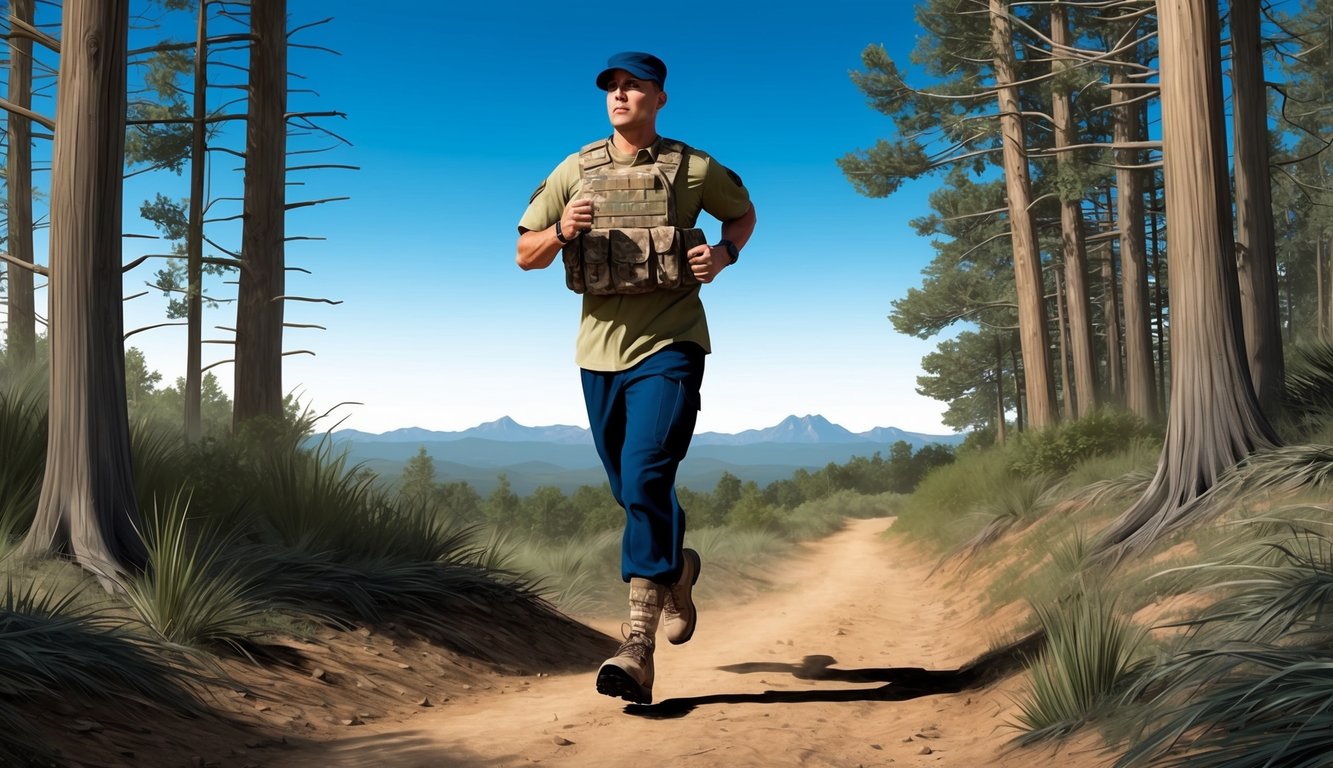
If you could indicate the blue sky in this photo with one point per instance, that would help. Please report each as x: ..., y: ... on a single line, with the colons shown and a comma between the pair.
x: 454, y: 116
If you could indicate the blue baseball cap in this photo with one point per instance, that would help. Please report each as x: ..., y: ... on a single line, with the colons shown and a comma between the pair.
x: 642, y: 65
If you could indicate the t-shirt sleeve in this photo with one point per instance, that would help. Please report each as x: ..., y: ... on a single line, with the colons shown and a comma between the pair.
x: 551, y: 196
x: 724, y: 194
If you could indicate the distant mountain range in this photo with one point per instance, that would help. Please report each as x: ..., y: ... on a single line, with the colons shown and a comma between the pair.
x: 564, y: 456
x: 793, y: 429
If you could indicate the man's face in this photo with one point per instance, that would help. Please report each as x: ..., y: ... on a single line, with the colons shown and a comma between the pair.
x: 632, y: 101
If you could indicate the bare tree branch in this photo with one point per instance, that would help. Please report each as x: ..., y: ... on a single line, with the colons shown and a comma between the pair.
x: 39, y: 269
x: 36, y: 117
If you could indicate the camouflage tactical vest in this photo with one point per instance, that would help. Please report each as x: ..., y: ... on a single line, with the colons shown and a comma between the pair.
x: 634, y: 245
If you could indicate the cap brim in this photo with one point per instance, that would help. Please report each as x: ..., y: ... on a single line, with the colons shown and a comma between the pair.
x: 642, y: 74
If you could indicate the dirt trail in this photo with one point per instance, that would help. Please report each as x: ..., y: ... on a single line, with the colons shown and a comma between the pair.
x: 732, y: 697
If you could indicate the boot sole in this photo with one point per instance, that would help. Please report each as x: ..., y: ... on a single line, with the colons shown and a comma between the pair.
x: 615, y: 682
x: 698, y: 566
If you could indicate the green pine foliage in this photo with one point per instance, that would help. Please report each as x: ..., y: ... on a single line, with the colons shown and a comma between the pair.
x: 1059, y: 449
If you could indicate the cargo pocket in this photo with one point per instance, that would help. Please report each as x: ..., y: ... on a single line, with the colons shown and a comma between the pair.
x: 572, y: 254
x: 630, y: 270
x: 595, y: 252
x: 667, y: 258
x: 678, y: 410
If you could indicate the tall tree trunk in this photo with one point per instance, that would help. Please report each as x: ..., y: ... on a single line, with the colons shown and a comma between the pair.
x: 1214, y: 418
x: 1000, y: 425
x: 1071, y: 228
x: 88, y: 506
x: 1066, y: 388
x: 21, y: 334
x: 1140, y: 391
x: 1159, y: 292
x: 194, y: 238
x: 1255, y: 248
x: 1027, y: 256
x: 1323, y: 327
x: 1115, y: 371
x: 259, y: 310
x: 1020, y: 422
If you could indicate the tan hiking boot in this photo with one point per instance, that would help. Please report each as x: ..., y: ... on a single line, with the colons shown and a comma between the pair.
x: 679, y: 616
x: 629, y: 674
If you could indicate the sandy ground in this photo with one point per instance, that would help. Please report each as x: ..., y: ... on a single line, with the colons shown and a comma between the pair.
x: 795, y: 676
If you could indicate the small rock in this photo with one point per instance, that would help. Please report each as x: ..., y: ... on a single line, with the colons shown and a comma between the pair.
x: 926, y: 751
x: 467, y: 687
x: 262, y: 707
x: 876, y: 746
x: 353, y: 720
x: 319, y: 674
x: 83, y: 725
x: 404, y: 666
x: 839, y: 632
x: 424, y: 702
x: 909, y: 738
x: 561, y: 741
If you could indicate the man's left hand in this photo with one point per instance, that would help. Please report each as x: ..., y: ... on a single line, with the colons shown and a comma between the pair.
x: 706, y: 261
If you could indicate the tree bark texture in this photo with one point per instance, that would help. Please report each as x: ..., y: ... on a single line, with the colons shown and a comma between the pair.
x: 259, y: 310
x: 1074, y: 247
x: 21, y: 332
x: 1115, y: 369
x: 1027, y: 257
x: 1321, y: 308
x: 1256, y: 257
x: 1140, y: 380
x: 1000, y: 421
x: 88, y: 506
x: 194, y: 240
x: 1062, y: 347
x: 1214, y: 419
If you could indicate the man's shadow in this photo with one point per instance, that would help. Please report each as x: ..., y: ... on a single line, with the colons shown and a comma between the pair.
x: 900, y: 683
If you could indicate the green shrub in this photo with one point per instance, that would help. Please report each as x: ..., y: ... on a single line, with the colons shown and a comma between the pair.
x: 945, y: 508
x: 195, y: 592
x: 23, y: 448
x: 1086, y: 661
x: 1254, y: 684
x: 1057, y: 450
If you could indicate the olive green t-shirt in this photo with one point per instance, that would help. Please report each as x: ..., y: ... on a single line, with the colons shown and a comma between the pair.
x: 618, y: 331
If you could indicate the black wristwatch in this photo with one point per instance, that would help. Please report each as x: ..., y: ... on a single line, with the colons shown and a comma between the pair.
x: 732, y: 250
x: 561, y: 235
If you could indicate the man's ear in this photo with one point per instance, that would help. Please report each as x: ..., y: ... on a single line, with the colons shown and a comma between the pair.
x: 661, y: 99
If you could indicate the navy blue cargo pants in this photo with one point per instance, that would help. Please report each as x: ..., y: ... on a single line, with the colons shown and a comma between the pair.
x: 642, y: 420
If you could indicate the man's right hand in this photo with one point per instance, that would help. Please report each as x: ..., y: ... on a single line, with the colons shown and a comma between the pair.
x: 577, y: 218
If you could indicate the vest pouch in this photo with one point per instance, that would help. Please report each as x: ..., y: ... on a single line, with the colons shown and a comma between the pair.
x: 671, y: 247
x: 631, y: 265
x: 587, y: 267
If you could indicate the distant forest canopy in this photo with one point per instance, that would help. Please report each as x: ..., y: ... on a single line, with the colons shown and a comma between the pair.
x: 1043, y: 124
x: 549, y: 513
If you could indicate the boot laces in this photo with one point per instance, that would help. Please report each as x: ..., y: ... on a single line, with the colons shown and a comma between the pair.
x: 636, y: 646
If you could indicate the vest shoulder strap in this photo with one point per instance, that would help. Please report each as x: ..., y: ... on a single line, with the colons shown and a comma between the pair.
x: 593, y: 155
x: 671, y: 156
